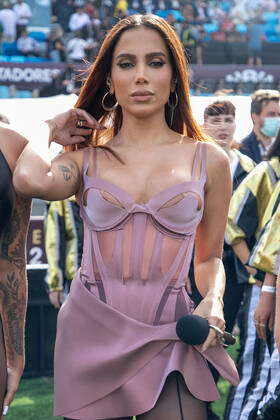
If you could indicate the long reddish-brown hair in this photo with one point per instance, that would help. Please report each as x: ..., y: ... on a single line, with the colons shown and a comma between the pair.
x: 95, y: 86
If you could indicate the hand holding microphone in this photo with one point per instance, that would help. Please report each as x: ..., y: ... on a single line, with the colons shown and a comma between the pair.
x: 194, y: 329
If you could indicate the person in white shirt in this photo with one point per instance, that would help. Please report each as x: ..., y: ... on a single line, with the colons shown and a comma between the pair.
x: 23, y: 14
x: 77, y: 47
x: 27, y: 45
x: 80, y: 21
x: 8, y: 22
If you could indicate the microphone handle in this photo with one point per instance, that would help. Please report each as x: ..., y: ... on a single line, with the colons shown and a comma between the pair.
x: 228, y: 338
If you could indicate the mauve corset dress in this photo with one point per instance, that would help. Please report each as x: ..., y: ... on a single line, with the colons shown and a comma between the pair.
x: 116, y: 335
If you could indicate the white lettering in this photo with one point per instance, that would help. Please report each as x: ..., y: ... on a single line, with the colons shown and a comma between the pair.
x: 249, y: 75
x: 27, y: 74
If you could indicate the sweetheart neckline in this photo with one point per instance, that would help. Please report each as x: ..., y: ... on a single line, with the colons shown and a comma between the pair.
x: 153, y: 197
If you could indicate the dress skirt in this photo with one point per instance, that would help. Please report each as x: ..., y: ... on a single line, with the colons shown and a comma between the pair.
x: 110, y: 365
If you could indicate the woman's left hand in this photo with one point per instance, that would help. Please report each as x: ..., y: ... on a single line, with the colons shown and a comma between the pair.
x: 211, y: 308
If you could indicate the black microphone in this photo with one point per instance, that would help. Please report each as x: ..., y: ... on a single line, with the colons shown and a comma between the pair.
x: 193, y: 329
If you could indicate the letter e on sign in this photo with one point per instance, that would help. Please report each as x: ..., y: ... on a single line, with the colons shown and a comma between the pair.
x: 36, y: 237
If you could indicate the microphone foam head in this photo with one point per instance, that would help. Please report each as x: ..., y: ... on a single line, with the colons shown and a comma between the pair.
x: 192, y: 329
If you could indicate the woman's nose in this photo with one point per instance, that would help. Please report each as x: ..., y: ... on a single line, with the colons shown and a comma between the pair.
x: 141, y: 75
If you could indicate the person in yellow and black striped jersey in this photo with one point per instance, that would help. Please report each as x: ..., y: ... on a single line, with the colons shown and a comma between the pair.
x: 64, y: 247
x: 245, y: 223
x: 277, y: 312
x: 265, y: 256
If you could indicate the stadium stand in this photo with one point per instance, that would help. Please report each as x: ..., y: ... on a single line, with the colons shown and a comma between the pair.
x: 214, y: 32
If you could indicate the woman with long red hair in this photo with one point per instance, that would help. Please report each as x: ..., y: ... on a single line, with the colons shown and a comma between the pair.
x: 149, y: 187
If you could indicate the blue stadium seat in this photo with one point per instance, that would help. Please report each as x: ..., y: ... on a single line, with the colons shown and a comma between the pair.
x: 10, y: 48
x: 4, y: 92
x: 23, y: 94
x: 269, y: 30
x: 161, y: 13
x: 176, y: 13
x: 273, y: 38
x: 17, y: 59
x: 241, y: 28
x: 3, y: 58
x: 211, y: 27
x: 270, y: 17
x: 35, y: 59
x: 38, y: 36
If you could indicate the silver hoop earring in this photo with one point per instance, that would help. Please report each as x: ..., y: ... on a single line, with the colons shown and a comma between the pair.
x: 107, y: 108
x: 173, y: 106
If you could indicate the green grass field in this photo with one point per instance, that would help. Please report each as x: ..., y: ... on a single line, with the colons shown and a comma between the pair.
x: 34, y: 398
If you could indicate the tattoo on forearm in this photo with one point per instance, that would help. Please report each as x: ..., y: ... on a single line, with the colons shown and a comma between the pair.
x: 12, y: 240
x: 13, y: 287
x: 68, y: 173
x: 13, y: 300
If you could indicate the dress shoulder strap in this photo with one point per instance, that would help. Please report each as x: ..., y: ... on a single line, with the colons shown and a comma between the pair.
x: 199, y: 161
x: 90, y: 155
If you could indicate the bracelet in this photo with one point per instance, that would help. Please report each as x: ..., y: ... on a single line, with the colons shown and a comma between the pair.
x: 269, y: 289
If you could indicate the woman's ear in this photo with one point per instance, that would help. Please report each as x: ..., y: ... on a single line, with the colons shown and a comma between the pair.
x: 110, y: 85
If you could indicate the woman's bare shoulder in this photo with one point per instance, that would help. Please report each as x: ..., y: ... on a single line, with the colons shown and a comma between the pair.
x: 216, y: 156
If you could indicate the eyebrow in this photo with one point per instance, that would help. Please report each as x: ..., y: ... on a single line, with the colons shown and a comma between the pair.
x: 150, y: 55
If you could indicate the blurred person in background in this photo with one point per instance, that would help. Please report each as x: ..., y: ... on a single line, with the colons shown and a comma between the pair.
x: 255, y: 37
x: 80, y: 23
x: 188, y: 39
x: 245, y: 223
x: 26, y: 45
x: 8, y: 21
x: 56, y: 50
x: 64, y: 247
x: 63, y: 9
x: 78, y: 49
x: 23, y: 14
x: 265, y: 114
x: 121, y: 6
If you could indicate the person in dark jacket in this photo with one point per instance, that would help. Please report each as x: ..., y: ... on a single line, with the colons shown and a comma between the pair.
x: 265, y: 114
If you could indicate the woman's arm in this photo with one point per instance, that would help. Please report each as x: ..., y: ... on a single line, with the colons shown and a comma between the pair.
x: 37, y: 176
x: 209, y: 270
x: 13, y: 292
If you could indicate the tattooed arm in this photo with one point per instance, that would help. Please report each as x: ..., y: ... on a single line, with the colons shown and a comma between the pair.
x: 35, y: 176
x: 13, y: 292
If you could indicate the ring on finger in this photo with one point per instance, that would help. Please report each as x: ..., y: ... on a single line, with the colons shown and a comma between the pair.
x: 79, y: 123
x: 217, y: 330
x: 262, y: 325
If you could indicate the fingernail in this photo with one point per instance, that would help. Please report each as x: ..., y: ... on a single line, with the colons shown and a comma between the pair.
x: 5, y: 410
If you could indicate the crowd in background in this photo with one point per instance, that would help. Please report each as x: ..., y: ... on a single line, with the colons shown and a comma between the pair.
x: 209, y: 29
x: 78, y: 26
